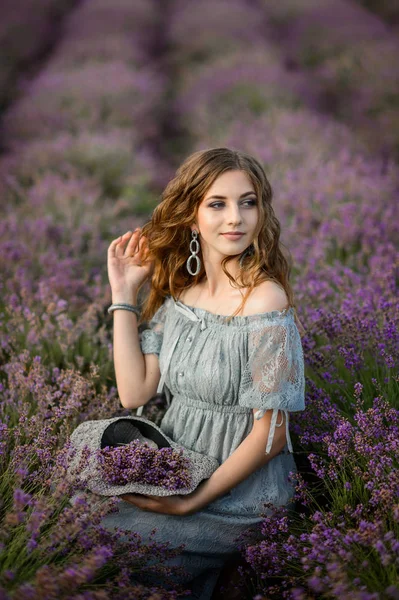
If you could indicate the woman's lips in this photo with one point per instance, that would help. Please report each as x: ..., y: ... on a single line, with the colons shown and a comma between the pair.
x: 233, y: 236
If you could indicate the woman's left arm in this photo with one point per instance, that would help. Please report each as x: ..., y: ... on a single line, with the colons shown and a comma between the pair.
x: 246, y: 458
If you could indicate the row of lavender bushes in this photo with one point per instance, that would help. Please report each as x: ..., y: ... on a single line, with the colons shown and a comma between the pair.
x: 336, y: 203
x: 351, y: 55
x: 27, y: 30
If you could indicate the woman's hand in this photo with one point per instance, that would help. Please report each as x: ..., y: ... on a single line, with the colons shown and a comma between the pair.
x: 128, y: 264
x: 178, y: 505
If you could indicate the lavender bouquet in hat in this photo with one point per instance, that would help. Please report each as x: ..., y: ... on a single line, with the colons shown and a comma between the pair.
x: 133, y: 455
x: 141, y: 462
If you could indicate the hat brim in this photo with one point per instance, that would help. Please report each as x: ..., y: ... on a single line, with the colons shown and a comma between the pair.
x: 90, y: 434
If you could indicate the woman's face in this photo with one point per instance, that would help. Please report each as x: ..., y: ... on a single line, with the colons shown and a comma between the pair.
x: 236, y: 209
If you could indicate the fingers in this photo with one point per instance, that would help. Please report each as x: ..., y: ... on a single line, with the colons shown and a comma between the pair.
x: 131, y: 247
x: 112, y: 246
x: 117, y: 246
x: 139, y: 500
x: 142, y: 245
x: 137, y: 246
x: 120, y: 246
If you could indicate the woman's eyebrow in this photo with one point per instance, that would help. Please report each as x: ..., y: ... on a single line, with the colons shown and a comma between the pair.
x: 224, y: 197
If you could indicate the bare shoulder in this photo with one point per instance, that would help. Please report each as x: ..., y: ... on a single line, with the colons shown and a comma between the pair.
x: 267, y: 296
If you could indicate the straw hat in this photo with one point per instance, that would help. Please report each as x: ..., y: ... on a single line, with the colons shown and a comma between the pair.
x: 120, y: 431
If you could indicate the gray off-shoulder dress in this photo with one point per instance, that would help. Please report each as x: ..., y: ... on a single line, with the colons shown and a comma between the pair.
x: 214, y: 374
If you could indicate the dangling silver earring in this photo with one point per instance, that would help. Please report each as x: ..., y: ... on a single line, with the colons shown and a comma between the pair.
x: 194, y: 249
x: 247, y: 252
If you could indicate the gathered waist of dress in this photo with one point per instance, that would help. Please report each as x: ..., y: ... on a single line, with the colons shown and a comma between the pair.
x: 195, y: 403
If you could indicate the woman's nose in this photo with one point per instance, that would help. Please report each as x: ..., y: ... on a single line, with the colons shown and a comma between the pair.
x: 234, y: 215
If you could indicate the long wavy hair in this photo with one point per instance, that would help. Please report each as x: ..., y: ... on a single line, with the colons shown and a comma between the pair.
x: 169, y: 232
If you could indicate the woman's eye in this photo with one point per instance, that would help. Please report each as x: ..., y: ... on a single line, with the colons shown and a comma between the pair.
x: 251, y: 202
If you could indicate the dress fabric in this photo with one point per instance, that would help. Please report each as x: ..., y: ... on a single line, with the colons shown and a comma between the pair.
x: 214, y: 374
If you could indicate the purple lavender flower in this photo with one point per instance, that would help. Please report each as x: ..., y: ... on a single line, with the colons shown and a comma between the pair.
x: 138, y: 462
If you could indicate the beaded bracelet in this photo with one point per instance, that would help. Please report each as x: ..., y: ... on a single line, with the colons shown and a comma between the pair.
x: 123, y: 306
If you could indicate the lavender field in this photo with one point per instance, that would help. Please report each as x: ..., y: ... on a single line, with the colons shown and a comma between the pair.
x: 97, y: 115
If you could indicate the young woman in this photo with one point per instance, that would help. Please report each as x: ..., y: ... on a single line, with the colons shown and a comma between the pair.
x: 222, y: 342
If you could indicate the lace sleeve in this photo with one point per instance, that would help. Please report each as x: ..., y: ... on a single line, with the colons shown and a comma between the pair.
x: 151, y: 337
x: 273, y: 377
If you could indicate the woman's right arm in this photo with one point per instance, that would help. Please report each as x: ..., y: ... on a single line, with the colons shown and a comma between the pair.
x: 137, y: 375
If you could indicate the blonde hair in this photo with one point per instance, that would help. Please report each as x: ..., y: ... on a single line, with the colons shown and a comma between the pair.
x: 169, y: 232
